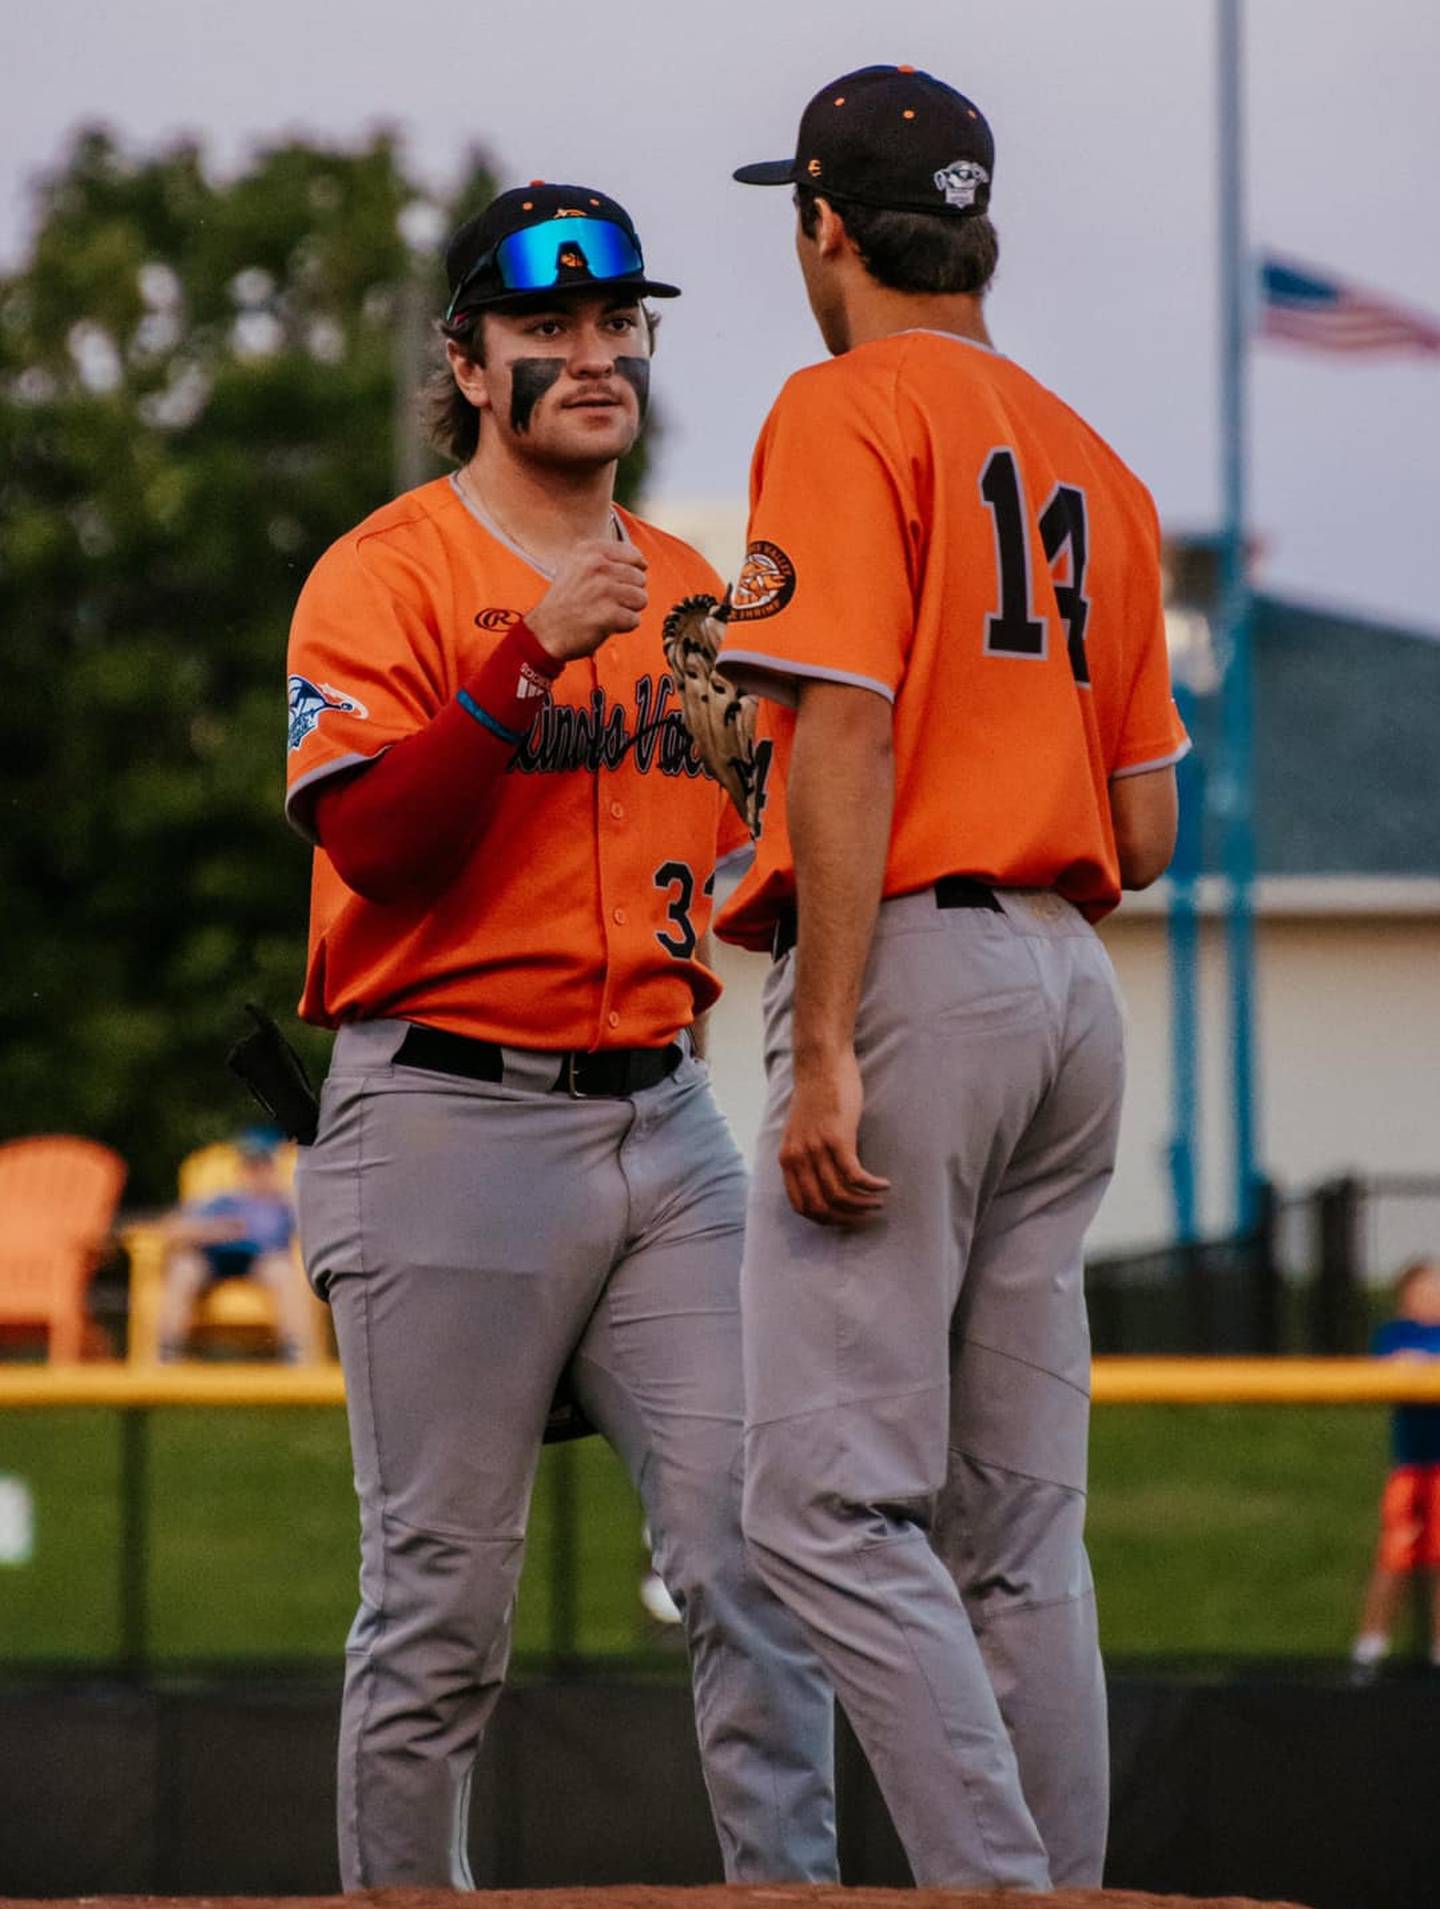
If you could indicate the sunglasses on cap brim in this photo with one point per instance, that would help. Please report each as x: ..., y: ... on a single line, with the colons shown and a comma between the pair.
x: 566, y: 252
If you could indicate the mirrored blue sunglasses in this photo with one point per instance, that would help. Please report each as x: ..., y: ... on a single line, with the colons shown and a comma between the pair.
x: 539, y: 257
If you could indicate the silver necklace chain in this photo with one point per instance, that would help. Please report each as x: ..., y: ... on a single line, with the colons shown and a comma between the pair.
x: 472, y: 492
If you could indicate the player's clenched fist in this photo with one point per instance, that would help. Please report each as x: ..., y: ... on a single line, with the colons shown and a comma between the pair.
x: 598, y: 591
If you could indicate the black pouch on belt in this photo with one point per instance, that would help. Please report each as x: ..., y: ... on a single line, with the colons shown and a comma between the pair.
x: 275, y: 1075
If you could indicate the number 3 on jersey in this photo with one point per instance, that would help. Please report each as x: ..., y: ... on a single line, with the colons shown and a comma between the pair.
x: 1012, y: 630
x: 680, y: 877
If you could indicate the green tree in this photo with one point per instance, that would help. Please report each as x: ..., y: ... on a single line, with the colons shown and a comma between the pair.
x: 197, y: 395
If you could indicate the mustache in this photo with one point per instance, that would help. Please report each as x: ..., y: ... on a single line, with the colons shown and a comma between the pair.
x: 531, y: 378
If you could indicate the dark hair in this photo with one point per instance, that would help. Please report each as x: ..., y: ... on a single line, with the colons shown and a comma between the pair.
x: 913, y: 251
x: 451, y: 422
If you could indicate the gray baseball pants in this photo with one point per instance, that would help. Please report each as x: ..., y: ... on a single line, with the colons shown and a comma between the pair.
x: 917, y: 1389
x: 474, y: 1241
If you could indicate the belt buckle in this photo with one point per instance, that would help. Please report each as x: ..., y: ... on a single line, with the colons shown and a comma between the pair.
x: 567, y: 1074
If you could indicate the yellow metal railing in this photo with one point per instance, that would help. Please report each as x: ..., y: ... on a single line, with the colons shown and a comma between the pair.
x: 135, y: 1392
x: 1200, y: 1381
x: 1116, y: 1381
x: 188, y: 1382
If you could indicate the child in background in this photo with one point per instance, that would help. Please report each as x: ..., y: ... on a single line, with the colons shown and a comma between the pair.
x: 243, y: 1234
x: 1410, y: 1503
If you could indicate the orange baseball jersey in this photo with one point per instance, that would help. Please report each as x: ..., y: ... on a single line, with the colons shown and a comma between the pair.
x: 929, y: 522
x: 576, y: 920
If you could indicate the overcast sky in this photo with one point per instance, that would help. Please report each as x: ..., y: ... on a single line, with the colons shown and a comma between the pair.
x: 1103, y: 112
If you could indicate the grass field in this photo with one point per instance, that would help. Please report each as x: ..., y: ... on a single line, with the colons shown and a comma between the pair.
x: 1213, y: 1530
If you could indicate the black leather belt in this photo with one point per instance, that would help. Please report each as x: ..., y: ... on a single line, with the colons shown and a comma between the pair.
x: 609, y: 1074
x: 951, y: 891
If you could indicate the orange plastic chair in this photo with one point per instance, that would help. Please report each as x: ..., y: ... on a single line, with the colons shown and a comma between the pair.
x: 57, y: 1199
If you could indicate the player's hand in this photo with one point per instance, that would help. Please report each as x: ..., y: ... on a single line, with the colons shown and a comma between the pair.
x: 824, y: 1179
x: 598, y: 591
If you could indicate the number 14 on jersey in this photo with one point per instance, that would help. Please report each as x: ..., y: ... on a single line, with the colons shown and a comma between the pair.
x: 1012, y: 630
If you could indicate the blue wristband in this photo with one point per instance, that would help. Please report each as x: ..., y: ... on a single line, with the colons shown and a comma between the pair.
x: 468, y: 703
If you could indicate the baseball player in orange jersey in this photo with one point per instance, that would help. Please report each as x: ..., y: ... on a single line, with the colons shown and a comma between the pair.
x: 952, y: 606
x: 520, y: 1172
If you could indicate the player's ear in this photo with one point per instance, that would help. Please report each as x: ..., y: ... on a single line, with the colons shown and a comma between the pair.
x: 831, y: 238
x: 468, y: 374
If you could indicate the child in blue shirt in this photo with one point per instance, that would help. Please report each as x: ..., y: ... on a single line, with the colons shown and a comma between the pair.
x: 242, y: 1234
x: 1410, y: 1502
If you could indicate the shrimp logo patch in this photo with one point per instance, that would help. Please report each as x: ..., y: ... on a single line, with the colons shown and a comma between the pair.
x: 765, y: 585
x: 961, y: 182
x: 308, y: 702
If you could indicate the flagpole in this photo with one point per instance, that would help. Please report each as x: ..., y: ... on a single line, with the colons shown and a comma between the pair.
x: 1236, y: 781
x: 1184, y: 937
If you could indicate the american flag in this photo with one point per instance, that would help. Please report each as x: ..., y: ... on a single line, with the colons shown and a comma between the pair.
x: 1302, y: 305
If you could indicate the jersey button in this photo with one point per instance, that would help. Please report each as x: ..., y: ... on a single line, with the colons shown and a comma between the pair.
x: 613, y: 1018
x: 620, y: 917
x: 617, y: 809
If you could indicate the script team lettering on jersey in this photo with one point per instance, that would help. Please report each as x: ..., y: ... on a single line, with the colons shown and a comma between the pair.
x: 600, y: 736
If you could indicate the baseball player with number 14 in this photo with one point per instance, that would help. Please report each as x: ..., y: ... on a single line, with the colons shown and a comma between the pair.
x: 952, y: 607
x: 520, y: 1172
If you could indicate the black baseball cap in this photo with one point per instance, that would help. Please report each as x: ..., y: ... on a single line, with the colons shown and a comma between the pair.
x: 540, y: 238
x: 893, y: 137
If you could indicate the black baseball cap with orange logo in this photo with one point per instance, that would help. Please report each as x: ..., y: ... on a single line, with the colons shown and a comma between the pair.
x: 891, y: 137
x: 544, y: 238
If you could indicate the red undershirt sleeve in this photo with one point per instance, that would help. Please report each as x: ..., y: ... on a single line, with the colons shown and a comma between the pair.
x: 400, y: 829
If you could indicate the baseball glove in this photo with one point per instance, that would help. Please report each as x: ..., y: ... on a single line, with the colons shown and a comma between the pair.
x: 721, y: 720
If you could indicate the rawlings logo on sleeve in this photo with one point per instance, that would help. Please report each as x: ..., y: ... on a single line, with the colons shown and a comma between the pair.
x: 765, y: 585
x: 308, y: 702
